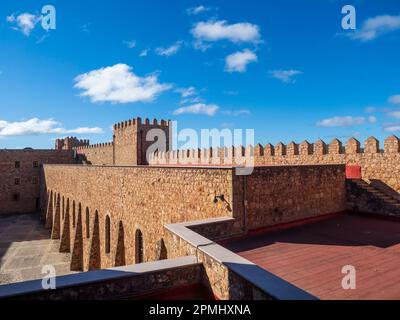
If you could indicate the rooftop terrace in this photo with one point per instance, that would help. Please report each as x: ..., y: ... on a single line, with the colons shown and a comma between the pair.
x: 311, y: 256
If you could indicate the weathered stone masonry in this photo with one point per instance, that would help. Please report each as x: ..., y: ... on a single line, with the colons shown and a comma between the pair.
x: 20, y: 177
x: 376, y: 163
x: 135, y: 198
x: 93, y: 195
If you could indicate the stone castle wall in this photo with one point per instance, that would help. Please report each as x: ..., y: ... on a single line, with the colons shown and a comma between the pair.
x: 82, y: 199
x: 20, y: 186
x: 100, y: 154
x: 376, y: 163
x: 134, y: 198
x: 282, y: 194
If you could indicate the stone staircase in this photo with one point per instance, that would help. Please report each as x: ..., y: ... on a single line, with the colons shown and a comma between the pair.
x: 363, y: 197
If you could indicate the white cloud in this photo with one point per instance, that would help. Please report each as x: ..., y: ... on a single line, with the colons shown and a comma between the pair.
x: 285, y: 75
x: 82, y: 130
x: 130, y: 44
x: 10, y: 18
x: 220, y: 30
x: 25, y: 22
x: 345, y: 121
x: 198, y: 108
x: 394, y: 114
x: 189, y: 95
x: 191, y: 100
x: 238, y: 61
x: 376, y: 26
x: 199, y: 45
x: 394, y: 128
x: 118, y: 84
x: 395, y: 99
x: 36, y: 126
x: 42, y: 38
x: 197, y: 10
x: 170, y: 51
x: 144, y: 53
x: 187, y: 92
x: 236, y: 113
x: 370, y: 109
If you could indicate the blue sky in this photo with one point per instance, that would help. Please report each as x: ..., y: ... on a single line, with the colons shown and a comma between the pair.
x: 285, y: 68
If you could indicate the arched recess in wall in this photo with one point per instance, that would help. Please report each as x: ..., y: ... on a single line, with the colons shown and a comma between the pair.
x: 80, y: 208
x: 139, y: 252
x: 161, y: 250
x: 63, y: 208
x: 87, y: 223
x: 107, y: 234
x: 49, y: 213
x: 56, y: 226
x: 54, y: 204
x: 120, y: 252
x: 65, y: 244
x: 95, y: 257
x: 77, y: 252
x: 73, y: 214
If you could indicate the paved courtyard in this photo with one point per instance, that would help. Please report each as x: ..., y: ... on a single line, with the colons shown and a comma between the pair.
x: 25, y: 247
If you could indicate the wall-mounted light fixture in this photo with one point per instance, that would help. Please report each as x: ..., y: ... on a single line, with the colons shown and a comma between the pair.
x: 220, y: 197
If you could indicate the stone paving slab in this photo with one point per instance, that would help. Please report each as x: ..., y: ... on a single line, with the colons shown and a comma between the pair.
x: 25, y: 247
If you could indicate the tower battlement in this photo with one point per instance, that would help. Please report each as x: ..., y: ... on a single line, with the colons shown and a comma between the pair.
x: 128, y: 147
x: 283, y: 154
x: 94, y: 146
x: 138, y: 122
x: 70, y: 143
x: 130, y: 140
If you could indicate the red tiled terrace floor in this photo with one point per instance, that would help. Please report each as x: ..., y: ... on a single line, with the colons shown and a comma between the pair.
x: 312, y: 256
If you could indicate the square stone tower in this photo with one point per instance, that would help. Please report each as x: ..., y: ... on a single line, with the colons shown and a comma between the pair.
x: 130, y: 140
x: 69, y: 143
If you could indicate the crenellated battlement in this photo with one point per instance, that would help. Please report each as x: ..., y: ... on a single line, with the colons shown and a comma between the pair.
x: 138, y: 122
x: 94, y: 146
x: 292, y: 153
x: 69, y: 143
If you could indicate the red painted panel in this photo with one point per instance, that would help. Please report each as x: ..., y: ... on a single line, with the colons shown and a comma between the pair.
x: 353, y: 172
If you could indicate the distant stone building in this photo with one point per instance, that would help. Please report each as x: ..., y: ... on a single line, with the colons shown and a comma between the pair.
x: 69, y: 143
x: 20, y: 177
